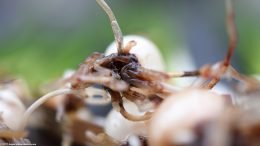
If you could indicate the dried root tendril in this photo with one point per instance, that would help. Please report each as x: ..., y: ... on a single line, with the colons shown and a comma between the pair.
x: 210, y: 71
x: 110, y: 82
x: 232, y: 34
x: 231, y: 30
x: 131, y: 117
x: 184, y: 74
x: 117, y: 103
x: 250, y: 84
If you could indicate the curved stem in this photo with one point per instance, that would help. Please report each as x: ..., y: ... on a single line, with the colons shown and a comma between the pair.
x: 115, y: 26
x: 231, y: 30
x: 135, y: 118
x: 39, y: 102
x: 232, y: 35
x: 117, y: 104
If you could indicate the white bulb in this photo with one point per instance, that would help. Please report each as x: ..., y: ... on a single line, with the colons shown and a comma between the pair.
x: 179, y: 114
x: 11, y: 108
x: 120, y: 128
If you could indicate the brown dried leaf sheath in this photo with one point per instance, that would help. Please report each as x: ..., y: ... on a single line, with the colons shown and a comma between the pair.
x: 8, y: 136
x: 118, y: 73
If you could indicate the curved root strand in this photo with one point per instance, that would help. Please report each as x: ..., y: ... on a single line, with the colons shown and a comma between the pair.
x: 131, y: 117
x: 39, y: 102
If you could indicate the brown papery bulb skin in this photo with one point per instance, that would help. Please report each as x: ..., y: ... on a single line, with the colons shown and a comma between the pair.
x: 176, y: 118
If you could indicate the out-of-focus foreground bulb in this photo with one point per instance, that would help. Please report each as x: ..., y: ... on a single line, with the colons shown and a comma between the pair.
x: 174, y: 121
x: 11, y: 108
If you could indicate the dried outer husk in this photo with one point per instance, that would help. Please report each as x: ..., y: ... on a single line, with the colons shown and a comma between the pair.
x: 8, y: 136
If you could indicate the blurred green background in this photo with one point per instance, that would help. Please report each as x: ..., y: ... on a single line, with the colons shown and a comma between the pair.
x: 39, y: 39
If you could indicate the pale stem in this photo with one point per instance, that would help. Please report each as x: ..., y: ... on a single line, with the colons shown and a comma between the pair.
x: 184, y: 74
x: 231, y: 30
x: 39, y: 102
x: 115, y: 26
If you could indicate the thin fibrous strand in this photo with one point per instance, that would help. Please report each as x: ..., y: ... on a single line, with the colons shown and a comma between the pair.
x: 212, y: 83
x: 115, y: 26
x: 168, y: 88
x: 216, y: 75
x: 251, y: 83
x: 117, y: 104
x: 199, y: 82
x: 184, y: 74
x: 241, y: 78
x: 131, y: 117
x: 110, y: 82
x: 39, y: 102
x: 231, y: 30
x: 235, y: 75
